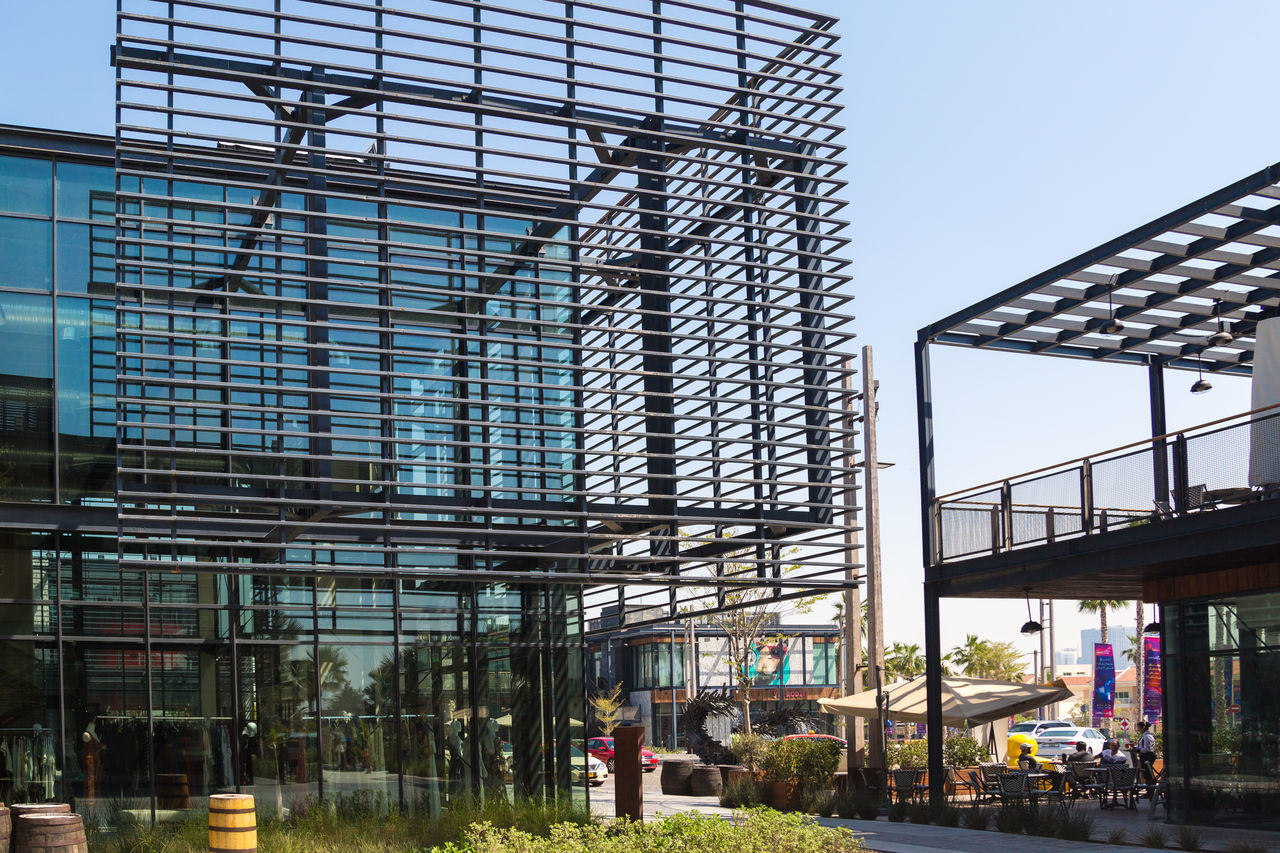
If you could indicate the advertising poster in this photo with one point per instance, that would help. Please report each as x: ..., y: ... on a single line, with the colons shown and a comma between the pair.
x: 1104, y: 682
x: 1151, y: 679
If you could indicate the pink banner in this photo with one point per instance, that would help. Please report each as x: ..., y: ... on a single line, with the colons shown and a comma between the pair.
x: 1151, y: 678
x: 1104, y: 682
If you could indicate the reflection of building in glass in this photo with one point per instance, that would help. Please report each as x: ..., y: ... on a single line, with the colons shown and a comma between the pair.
x: 342, y: 383
x: 652, y: 664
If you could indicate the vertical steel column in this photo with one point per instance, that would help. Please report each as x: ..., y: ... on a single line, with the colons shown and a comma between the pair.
x: 1159, y: 453
x: 932, y: 616
x: 874, y: 585
x: 319, y: 379
x: 655, y: 321
x: 812, y: 338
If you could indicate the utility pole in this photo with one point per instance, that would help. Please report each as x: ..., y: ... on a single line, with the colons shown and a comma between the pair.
x: 875, y: 601
x: 851, y: 630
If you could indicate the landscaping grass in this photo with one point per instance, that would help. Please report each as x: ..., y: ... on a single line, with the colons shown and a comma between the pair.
x: 355, y: 826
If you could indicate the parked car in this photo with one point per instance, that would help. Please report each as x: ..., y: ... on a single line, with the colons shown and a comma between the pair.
x: 1053, y: 742
x: 596, y: 770
x: 1035, y: 727
x: 602, y: 748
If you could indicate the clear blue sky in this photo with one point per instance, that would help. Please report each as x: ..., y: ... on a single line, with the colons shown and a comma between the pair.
x: 987, y: 142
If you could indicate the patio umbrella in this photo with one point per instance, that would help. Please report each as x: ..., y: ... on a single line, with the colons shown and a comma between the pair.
x: 965, y: 701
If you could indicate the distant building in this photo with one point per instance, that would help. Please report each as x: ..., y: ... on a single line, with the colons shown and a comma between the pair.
x: 795, y: 670
x: 1066, y: 656
x: 1121, y: 638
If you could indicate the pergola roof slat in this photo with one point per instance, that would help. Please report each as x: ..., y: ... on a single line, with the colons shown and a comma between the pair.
x: 1169, y: 283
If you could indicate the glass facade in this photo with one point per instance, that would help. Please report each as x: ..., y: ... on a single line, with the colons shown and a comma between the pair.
x: 1222, y: 734
x: 149, y: 690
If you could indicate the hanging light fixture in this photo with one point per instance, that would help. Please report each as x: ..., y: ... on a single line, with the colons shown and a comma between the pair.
x: 1153, y: 628
x: 1112, y: 326
x: 1201, y: 385
x: 1031, y: 626
x: 1223, y: 336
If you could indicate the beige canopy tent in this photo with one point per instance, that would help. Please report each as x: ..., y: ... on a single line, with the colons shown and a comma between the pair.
x: 965, y: 701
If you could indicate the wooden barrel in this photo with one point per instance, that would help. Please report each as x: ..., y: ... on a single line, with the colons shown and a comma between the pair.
x: 49, y: 833
x: 233, y: 824
x: 704, y: 781
x: 172, y: 791
x: 17, y: 810
x: 6, y: 828
x: 675, y: 776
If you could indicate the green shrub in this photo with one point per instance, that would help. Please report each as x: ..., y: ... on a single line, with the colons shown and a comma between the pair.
x: 1011, y: 818
x: 741, y: 793
x: 950, y: 816
x: 976, y: 817
x: 867, y: 806
x: 898, y: 812
x: 819, y: 802
x: 918, y: 813
x: 1117, y: 836
x: 1189, y: 838
x: 807, y: 762
x: 962, y: 751
x: 1153, y: 837
x: 907, y: 753
x: 749, y: 750
x: 1075, y: 825
x: 753, y: 831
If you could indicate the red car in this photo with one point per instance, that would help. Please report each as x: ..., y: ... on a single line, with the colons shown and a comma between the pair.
x: 602, y: 748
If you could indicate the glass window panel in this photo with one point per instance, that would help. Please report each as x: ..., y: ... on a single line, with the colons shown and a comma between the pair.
x: 86, y: 261
x: 26, y: 253
x: 28, y: 186
x: 86, y: 192
x: 86, y: 400
x: 26, y: 397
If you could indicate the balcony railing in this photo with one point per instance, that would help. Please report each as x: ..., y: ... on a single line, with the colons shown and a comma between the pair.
x: 1223, y: 463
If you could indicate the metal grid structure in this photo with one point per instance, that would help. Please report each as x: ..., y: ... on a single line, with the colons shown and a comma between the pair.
x: 536, y: 292
x: 1171, y: 284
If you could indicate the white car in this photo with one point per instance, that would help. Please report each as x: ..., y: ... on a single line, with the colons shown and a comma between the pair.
x: 1035, y: 727
x: 1054, y: 742
x: 596, y: 771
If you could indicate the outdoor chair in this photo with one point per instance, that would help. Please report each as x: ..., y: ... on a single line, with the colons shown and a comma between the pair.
x: 1013, y: 787
x: 991, y: 775
x: 975, y: 787
x: 1121, y: 786
x: 872, y: 780
x: 1092, y: 779
x: 906, y: 784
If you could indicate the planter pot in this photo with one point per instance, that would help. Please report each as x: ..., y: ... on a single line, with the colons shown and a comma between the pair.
x: 783, y: 796
x: 733, y: 774
x: 675, y: 776
x: 705, y: 781
x: 726, y: 769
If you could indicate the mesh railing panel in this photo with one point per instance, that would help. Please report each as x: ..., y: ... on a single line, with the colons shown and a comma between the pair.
x: 1208, y: 470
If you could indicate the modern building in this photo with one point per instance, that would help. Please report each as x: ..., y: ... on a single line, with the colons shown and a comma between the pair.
x: 378, y: 348
x: 794, y: 666
x: 1120, y: 637
x: 1187, y: 519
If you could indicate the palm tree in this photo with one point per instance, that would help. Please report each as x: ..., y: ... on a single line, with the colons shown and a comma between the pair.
x: 903, y: 660
x: 970, y: 656
x: 1101, y: 606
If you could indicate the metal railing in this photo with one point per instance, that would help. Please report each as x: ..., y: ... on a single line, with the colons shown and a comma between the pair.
x: 1227, y: 462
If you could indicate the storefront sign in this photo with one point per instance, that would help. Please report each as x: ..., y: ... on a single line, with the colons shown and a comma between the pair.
x: 1151, y: 678
x: 1104, y: 682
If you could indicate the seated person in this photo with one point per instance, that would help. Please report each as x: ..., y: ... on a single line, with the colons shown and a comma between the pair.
x: 1026, y: 761
x: 1112, y: 756
x: 1082, y: 753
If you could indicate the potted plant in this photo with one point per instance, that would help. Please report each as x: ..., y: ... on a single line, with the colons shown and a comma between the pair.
x: 749, y: 751
x: 963, y: 754
x: 793, y: 766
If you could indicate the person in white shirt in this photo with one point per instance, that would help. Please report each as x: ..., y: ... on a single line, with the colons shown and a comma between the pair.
x: 1112, y: 756
x: 1146, y: 750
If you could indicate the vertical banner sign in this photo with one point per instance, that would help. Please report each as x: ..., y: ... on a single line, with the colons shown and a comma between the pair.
x: 1151, y: 678
x: 1104, y: 682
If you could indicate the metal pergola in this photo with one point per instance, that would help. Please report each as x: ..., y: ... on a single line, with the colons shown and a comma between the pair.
x: 1158, y: 296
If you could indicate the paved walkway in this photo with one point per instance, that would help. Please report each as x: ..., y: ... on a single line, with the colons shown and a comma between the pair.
x: 886, y: 837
